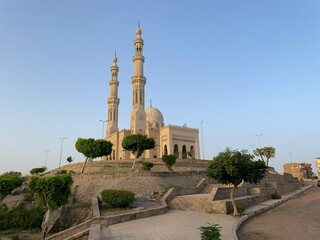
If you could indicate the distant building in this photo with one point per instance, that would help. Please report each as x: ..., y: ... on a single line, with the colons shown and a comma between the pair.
x: 318, y: 165
x: 181, y: 141
x: 299, y: 170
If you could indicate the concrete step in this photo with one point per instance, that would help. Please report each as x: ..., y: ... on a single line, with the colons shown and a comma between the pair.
x: 196, y: 202
x: 225, y: 206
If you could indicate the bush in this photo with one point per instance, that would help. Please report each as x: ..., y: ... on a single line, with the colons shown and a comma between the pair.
x: 275, y: 196
x: 117, y: 197
x: 62, y: 171
x: 169, y: 160
x: 211, y: 232
x: 21, y: 218
x: 241, y: 210
x: 147, y: 166
x: 8, y: 182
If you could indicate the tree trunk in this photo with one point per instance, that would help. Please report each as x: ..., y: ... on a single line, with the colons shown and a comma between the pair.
x: 84, y: 165
x: 45, y: 222
x: 267, y: 162
x: 235, y: 210
x: 134, y: 161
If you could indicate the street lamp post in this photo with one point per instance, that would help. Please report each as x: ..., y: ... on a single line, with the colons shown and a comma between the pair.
x: 62, y: 139
x: 203, y: 157
x: 259, y: 136
x: 45, y: 163
x: 103, y: 121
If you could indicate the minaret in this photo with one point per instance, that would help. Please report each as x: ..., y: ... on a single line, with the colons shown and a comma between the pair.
x: 138, y: 115
x: 113, y: 100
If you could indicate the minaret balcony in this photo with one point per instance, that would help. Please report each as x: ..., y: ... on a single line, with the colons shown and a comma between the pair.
x: 138, y: 57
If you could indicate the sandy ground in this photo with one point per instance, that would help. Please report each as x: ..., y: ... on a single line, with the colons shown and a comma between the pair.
x: 296, y: 219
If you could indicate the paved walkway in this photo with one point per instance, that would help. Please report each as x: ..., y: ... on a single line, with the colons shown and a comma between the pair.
x: 184, y: 225
x: 175, y: 225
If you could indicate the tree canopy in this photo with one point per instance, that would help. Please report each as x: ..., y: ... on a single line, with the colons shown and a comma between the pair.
x: 233, y: 167
x: 36, y: 171
x: 92, y: 148
x: 137, y: 143
x: 265, y: 152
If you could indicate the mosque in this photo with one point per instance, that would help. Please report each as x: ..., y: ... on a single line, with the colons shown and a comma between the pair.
x: 181, y: 141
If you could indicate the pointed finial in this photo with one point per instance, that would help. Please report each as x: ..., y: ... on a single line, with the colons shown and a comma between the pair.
x: 151, y: 103
x: 115, y: 59
x: 138, y: 31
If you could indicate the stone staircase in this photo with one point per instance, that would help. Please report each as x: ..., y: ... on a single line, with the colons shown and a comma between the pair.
x: 215, y: 198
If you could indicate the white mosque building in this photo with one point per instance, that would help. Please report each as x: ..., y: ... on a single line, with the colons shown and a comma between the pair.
x: 181, y: 141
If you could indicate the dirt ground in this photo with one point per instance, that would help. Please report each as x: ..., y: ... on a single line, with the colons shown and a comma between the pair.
x: 297, y: 219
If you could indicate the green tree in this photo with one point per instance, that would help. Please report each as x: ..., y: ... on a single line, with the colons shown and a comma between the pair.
x: 265, y: 153
x: 92, y: 148
x: 136, y: 144
x: 169, y: 160
x: 233, y: 167
x: 53, y: 192
x: 37, y: 171
x: 8, y: 182
x: 69, y: 159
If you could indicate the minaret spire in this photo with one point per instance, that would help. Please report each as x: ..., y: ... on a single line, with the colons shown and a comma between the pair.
x: 138, y: 115
x: 113, y: 100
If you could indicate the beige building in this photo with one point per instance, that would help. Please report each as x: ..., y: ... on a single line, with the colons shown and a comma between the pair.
x: 299, y: 170
x: 181, y: 141
x: 318, y: 165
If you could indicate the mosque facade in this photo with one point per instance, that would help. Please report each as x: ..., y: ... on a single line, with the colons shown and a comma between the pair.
x: 181, y: 141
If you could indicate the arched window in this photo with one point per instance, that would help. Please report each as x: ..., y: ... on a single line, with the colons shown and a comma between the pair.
x: 176, y: 151
x: 140, y: 96
x: 184, y: 152
x: 113, y: 154
x: 165, y: 150
x: 136, y: 96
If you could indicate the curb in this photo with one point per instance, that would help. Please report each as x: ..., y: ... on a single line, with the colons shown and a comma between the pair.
x: 266, y: 208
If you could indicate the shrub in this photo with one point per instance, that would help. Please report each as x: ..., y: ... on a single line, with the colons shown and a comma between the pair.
x: 3, y: 208
x: 211, y: 232
x: 21, y: 218
x: 275, y: 196
x: 8, y: 182
x: 117, y: 197
x: 241, y: 210
x: 147, y: 166
x: 169, y: 160
x: 62, y: 171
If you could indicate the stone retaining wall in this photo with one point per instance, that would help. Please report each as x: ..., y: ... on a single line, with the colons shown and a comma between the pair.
x: 151, y: 184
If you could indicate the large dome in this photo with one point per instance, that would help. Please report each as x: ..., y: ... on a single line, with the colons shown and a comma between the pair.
x: 154, y: 117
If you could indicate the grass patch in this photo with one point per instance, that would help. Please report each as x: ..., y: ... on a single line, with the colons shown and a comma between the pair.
x: 80, y: 205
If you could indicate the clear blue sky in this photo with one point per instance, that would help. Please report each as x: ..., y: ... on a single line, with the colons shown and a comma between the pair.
x: 241, y: 67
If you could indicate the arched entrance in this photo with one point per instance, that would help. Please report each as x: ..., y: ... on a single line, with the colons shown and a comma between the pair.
x: 176, y: 151
x: 192, y: 152
x: 184, y: 152
x: 165, y: 150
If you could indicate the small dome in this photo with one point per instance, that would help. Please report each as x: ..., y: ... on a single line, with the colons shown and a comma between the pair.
x: 115, y: 59
x: 138, y: 31
x: 154, y: 117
